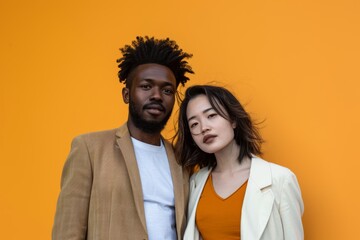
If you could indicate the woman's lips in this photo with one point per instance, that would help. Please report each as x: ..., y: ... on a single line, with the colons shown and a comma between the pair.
x: 208, y: 138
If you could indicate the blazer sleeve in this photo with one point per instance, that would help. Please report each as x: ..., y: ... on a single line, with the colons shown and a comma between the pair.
x: 72, y: 209
x: 291, y: 208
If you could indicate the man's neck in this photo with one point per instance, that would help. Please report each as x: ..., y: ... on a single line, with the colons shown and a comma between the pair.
x: 150, y: 138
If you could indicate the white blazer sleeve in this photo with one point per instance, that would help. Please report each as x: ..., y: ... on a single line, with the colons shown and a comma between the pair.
x: 291, y: 208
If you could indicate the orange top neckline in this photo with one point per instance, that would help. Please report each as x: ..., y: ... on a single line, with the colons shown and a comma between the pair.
x: 217, y: 217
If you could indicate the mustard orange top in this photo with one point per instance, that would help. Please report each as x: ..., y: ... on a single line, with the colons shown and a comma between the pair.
x: 219, y: 218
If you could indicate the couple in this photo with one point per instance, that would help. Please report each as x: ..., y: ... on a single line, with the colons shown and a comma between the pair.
x: 129, y: 183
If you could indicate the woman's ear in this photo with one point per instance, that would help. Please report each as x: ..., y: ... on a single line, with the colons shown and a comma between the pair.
x: 233, y: 124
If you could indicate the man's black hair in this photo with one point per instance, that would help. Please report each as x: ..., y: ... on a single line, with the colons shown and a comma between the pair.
x: 150, y: 50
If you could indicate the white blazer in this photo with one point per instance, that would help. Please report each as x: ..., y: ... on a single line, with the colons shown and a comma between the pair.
x: 272, y: 207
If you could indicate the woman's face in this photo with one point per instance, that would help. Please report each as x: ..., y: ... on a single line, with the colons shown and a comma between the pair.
x: 210, y: 131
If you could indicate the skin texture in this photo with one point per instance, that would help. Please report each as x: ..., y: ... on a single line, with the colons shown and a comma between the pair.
x: 211, y: 132
x: 215, y: 134
x: 151, y: 98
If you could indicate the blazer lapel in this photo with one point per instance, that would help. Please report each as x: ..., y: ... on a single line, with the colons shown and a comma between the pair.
x: 178, y: 184
x: 258, y: 201
x: 196, y: 190
x: 197, y: 183
x: 127, y: 150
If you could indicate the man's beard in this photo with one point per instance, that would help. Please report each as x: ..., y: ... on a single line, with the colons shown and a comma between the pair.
x: 145, y: 125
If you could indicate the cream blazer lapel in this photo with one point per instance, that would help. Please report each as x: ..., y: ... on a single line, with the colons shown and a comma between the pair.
x: 258, y: 201
x: 127, y: 149
x: 257, y: 205
x: 197, y: 183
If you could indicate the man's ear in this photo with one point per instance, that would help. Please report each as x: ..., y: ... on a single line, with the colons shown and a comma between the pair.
x: 125, y: 94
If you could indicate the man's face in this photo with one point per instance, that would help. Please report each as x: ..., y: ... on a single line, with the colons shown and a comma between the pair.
x: 151, y: 96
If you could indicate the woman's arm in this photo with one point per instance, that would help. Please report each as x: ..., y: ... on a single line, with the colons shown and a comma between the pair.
x: 291, y: 208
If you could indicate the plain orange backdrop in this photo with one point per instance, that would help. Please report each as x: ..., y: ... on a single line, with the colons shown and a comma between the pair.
x: 293, y: 63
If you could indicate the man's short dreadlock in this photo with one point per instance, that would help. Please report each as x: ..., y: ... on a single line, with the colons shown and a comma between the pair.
x: 150, y: 50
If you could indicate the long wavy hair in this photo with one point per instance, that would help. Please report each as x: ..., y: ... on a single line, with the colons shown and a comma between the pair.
x: 246, y: 133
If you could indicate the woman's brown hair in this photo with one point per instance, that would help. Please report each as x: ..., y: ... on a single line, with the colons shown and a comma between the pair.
x: 226, y: 105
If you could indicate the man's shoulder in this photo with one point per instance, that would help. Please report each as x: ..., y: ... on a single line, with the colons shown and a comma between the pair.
x: 98, y: 134
x: 99, y: 137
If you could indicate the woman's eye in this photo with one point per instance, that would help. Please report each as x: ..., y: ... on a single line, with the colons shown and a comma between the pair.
x: 212, y: 115
x: 193, y: 125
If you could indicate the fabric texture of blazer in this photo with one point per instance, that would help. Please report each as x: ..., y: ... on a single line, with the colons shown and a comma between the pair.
x: 272, y: 207
x: 101, y: 195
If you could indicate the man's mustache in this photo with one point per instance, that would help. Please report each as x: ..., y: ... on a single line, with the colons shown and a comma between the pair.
x: 158, y: 106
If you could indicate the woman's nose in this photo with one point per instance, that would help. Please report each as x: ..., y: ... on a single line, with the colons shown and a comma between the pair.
x: 204, y: 127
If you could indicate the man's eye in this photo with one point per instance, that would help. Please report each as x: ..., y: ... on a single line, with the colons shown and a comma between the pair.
x: 145, y: 86
x: 168, y: 91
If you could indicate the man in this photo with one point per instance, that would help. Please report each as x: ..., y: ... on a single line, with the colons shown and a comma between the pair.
x: 125, y: 183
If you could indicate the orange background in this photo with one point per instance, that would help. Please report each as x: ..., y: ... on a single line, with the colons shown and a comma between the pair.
x: 293, y: 63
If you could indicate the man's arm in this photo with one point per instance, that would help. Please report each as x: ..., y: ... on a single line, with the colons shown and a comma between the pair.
x: 71, y: 218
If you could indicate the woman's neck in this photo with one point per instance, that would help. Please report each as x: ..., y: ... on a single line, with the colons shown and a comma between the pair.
x: 227, y: 160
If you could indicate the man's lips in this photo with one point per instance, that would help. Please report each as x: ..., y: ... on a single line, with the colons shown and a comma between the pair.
x: 154, y: 108
x: 208, y: 138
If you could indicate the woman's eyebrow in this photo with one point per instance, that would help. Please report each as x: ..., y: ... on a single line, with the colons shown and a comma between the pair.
x: 206, y: 110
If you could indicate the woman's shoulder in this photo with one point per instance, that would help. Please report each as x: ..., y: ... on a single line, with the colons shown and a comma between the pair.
x: 277, y: 171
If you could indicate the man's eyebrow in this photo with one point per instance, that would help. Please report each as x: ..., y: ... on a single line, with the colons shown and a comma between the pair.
x: 165, y: 83
x: 206, y: 110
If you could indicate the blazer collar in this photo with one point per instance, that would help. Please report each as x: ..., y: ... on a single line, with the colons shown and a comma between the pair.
x: 258, y: 201
x: 127, y: 149
x: 178, y: 180
x: 260, y: 172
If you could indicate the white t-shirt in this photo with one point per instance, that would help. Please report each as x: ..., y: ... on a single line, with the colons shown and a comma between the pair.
x: 158, y: 191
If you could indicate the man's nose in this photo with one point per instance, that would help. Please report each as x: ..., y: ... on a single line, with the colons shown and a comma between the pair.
x: 156, y: 94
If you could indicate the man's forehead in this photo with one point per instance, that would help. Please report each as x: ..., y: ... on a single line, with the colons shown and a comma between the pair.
x: 155, y: 72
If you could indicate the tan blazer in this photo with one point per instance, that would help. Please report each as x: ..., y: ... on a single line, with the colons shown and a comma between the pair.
x: 272, y: 207
x: 101, y: 196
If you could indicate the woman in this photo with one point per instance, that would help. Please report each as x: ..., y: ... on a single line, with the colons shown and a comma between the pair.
x: 235, y: 194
